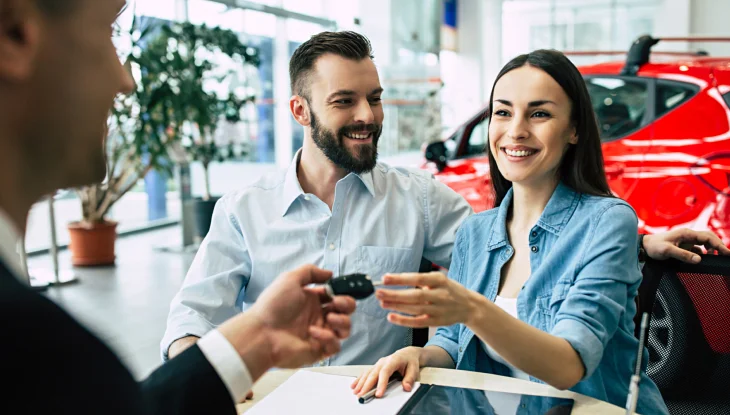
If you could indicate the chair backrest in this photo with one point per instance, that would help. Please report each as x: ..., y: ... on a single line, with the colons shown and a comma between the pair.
x: 689, y: 332
x: 420, y: 336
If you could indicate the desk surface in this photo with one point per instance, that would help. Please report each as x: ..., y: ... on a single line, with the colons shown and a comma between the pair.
x: 447, y: 377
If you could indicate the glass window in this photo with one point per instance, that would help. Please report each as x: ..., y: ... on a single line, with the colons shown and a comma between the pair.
x: 619, y: 105
x: 161, y: 9
x: 479, y: 138
x: 672, y: 95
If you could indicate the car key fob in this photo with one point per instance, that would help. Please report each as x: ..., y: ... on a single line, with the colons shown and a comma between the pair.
x: 357, y: 286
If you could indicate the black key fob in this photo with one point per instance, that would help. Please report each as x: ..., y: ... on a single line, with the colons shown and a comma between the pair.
x: 357, y: 286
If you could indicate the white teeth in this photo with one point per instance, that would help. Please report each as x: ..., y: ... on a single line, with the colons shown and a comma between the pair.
x: 359, y: 136
x: 519, y: 153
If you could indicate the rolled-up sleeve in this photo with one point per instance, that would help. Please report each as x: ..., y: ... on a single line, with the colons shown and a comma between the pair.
x: 607, y: 278
x: 217, y: 276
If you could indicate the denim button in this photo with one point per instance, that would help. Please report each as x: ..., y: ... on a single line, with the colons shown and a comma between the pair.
x: 535, y: 249
x: 534, y: 234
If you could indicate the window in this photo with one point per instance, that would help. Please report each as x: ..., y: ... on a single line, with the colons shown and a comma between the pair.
x: 619, y: 104
x: 670, y: 95
x: 477, y: 138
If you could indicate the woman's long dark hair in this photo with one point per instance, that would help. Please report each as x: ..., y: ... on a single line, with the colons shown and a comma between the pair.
x: 582, y: 165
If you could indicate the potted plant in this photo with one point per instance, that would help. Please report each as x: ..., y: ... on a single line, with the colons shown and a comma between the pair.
x: 217, y: 143
x: 170, y: 63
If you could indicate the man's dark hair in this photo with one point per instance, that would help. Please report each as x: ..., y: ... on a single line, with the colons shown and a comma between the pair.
x: 349, y: 45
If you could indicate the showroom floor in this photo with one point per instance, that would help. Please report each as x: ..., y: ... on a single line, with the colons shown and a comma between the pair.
x: 126, y: 305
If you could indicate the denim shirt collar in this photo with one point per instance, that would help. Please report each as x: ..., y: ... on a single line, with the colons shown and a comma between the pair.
x: 293, y: 189
x: 557, y: 213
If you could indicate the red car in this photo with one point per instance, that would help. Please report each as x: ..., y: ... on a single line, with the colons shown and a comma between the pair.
x: 665, y: 128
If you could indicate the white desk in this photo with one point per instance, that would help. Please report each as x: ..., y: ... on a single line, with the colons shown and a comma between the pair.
x: 447, y: 377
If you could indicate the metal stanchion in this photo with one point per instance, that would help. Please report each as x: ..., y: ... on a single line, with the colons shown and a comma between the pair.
x: 188, y: 245
x: 56, y: 276
x: 34, y: 283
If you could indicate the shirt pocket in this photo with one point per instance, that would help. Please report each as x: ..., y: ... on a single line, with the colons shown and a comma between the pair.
x: 549, y: 304
x: 377, y: 261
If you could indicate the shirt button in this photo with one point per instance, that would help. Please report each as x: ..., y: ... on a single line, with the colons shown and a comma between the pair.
x: 307, y: 198
x: 332, y: 247
x: 535, y: 249
x: 534, y: 234
x: 461, y: 349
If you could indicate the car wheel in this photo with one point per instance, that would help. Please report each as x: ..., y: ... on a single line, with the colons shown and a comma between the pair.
x: 677, y: 350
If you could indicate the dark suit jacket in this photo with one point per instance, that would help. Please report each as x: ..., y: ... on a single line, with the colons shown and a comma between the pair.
x: 53, y: 365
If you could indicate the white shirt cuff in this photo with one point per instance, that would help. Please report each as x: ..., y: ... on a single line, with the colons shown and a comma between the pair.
x: 227, y: 363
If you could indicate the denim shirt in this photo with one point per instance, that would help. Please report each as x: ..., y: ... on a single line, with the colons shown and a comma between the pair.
x: 584, y: 278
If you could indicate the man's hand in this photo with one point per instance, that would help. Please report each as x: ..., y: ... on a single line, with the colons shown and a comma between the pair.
x: 290, y: 324
x: 305, y: 323
x: 683, y: 244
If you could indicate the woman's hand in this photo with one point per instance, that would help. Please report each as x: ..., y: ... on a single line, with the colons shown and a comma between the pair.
x: 405, y: 361
x: 439, y: 301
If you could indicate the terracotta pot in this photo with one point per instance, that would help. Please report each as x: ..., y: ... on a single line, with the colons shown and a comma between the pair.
x: 92, y: 244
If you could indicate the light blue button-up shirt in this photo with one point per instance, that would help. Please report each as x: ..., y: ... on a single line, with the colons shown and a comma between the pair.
x: 584, y: 279
x: 383, y: 221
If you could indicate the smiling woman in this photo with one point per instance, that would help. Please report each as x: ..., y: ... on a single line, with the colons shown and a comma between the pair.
x: 580, y: 165
x: 542, y: 287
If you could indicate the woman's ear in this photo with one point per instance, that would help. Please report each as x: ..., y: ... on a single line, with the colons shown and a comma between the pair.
x: 573, y: 136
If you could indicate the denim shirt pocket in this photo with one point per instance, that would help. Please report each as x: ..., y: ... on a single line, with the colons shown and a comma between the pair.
x: 549, y: 304
x: 377, y: 261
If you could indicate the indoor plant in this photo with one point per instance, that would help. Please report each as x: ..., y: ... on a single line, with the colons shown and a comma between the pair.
x: 170, y: 63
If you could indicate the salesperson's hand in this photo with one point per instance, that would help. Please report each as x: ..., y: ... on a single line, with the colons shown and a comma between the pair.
x: 291, y: 324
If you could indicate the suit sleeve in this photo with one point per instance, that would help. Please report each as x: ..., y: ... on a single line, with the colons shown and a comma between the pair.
x: 187, y: 384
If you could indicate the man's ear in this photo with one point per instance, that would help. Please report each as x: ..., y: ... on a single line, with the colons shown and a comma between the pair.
x: 299, y: 107
x: 20, y: 26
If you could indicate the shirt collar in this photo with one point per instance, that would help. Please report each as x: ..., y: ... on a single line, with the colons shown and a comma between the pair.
x: 293, y: 189
x: 557, y: 213
x: 9, y: 238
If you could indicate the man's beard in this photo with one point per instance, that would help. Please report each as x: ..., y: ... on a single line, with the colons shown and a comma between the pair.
x: 334, y: 146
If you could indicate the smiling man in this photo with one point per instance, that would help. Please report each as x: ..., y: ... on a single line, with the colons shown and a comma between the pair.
x: 335, y: 207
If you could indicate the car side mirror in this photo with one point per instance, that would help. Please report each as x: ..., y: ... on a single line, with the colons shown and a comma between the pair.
x: 436, y: 153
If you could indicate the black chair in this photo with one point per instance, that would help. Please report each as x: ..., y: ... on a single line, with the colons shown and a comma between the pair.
x: 420, y: 336
x: 689, y: 333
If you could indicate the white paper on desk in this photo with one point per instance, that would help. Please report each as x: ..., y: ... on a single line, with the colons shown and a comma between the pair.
x: 321, y: 394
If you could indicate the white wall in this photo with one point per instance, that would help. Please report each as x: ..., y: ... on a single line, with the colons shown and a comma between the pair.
x: 694, y: 17
x: 469, y: 72
x: 711, y: 18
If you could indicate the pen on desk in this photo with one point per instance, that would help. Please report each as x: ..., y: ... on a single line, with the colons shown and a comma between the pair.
x: 395, y: 379
x: 633, y: 397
